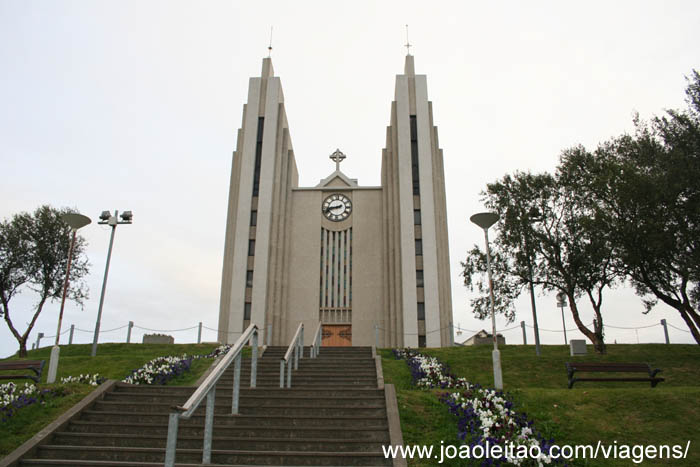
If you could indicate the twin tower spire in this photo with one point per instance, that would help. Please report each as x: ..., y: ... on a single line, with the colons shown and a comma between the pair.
x: 369, y: 263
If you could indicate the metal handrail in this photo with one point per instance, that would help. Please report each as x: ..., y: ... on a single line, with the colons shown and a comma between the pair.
x: 316, y: 346
x: 297, y: 345
x: 208, y: 389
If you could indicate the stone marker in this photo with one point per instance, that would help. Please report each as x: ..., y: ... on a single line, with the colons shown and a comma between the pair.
x: 577, y: 347
x: 158, y: 339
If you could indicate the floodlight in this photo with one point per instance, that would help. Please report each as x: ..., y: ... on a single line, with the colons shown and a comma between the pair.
x: 105, y: 215
x: 127, y: 216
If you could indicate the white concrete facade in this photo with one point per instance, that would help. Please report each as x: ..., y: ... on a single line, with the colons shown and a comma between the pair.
x: 377, y: 274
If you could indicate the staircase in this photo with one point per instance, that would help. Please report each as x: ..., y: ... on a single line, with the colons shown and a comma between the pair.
x: 332, y: 415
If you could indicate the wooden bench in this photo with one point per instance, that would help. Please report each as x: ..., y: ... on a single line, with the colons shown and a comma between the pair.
x: 575, y: 367
x: 37, y: 366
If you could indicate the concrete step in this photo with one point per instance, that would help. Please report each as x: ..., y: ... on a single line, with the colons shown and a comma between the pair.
x: 193, y: 430
x: 133, y: 454
x: 240, y: 420
x: 262, y: 443
x: 320, y: 391
x: 249, y: 400
x: 224, y: 407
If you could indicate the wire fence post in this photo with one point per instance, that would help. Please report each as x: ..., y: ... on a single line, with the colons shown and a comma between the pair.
x: 128, y: 332
x: 199, y: 334
x: 663, y: 323
x: 452, y: 334
x: 70, y: 336
x: 38, y: 339
x: 522, y: 325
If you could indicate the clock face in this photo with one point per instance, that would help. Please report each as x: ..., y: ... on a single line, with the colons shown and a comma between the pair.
x: 336, y: 207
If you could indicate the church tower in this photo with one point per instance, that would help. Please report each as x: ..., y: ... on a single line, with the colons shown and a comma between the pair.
x: 370, y: 263
x: 419, y: 311
x: 262, y: 175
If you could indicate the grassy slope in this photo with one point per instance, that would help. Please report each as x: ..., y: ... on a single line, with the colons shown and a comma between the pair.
x: 629, y: 413
x: 113, y: 361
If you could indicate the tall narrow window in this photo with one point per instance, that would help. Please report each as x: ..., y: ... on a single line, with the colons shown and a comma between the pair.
x: 246, y: 310
x: 249, y: 278
x: 258, y: 156
x: 251, y: 247
x: 421, y: 310
x: 414, y: 156
x: 419, y: 278
x: 419, y: 247
x: 416, y: 217
x: 253, y: 218
x: 421, y: 341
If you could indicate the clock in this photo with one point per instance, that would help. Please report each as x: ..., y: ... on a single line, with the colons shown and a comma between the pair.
x: 336, y: 207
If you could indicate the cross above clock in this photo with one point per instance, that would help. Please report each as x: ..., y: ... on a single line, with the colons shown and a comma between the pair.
x: 337, y: 157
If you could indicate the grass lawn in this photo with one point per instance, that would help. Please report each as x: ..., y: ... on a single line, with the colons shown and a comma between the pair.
x: 629, y: 413
x: 113, y: 361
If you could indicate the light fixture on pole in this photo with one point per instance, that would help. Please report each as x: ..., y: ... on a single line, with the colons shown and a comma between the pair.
x: 561, y: 303
x: 75, y: 221
x: 486, y: 220
x: 112, y: 221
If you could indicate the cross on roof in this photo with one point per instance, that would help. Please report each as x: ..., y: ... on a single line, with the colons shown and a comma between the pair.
x: 337, y: 157
x: 408, y: 44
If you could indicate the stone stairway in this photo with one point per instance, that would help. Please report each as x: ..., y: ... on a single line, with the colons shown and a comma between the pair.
x: 334, y: 414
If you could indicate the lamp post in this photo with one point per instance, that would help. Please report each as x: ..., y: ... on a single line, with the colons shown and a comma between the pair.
x: 486, y: 220
x: 532, y: 216
x: 75, y: 221
x: 112, y: 221
x: 561, y: 303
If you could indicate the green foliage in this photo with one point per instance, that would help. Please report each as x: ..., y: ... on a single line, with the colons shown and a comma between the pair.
x: 549, y: 233
x: 115, y: 361
x: 629, y: 413
x: 34, y: 252
x: 645, y: 189
x: 630, y: 210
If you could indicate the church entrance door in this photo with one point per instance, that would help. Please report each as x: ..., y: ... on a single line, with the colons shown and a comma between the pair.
x: 337, y: 335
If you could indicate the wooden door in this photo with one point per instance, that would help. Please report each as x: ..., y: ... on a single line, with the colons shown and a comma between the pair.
x: 337, y: 335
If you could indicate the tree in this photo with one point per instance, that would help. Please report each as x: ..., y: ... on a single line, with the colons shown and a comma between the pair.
x: 34, y: 256
x: 507, y: 285
x: 548, y: 229
x: 646, y: 188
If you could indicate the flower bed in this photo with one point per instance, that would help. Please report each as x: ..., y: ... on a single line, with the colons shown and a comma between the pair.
x: 159, y: 370
x: 162, y: 369
x: 485, y: 417
x: 92, y: 380
x: 13, y: 398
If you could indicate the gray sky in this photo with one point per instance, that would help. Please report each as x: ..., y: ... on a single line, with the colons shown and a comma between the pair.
x: 135, y: 105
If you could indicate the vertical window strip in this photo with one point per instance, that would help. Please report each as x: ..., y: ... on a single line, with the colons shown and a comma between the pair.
x: 320, y: 275
x: 332, y: 267
x: 258, y: 156
x: 414, y: 156
x: 350, y: 268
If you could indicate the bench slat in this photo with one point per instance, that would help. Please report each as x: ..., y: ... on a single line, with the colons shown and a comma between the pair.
x: 22, y: 364
x: 613, y: 367
x: 34, y: 365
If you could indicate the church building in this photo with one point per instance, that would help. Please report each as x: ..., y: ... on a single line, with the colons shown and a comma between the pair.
x: 371, y: 263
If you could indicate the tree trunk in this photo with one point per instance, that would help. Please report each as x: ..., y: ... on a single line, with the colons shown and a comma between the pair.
x: 687, y: 315
x: 596, y: 336
x: 23, y: 348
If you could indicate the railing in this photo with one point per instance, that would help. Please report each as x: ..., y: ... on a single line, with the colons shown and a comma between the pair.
x: 296, y: 346
x: 208, y: 389
x: 316, y: 346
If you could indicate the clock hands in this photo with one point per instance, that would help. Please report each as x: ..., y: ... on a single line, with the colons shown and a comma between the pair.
x: 333, y: 207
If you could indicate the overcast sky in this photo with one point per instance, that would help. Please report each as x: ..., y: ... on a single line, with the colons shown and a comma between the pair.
x: 135, y: 105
